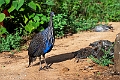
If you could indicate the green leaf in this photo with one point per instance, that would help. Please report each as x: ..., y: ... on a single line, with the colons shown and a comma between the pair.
x: 32, y: 5
x: 38, y: 6
x: 20, y: 3
x: 35, y: 24
x: 1, y: 2
x: 44, y: 18
x: 31, y: 16
x: 36, y: 18
x: 39, y: 15
x: 11, y: 9
x: 41, y: 22
x: 22, y: 9
x: 14, y: 3
x: 13, y: 6
x: 7, y: 1
x: 26, y: 19
x: 29, y: 27
x: 2, y: 17
x: 50, y: 2
x: 2, y: 30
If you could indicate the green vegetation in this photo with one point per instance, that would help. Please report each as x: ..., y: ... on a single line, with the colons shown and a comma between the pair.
x: 10, y: 42
x: 105, y: 60
x: 59, y: 23
x: 71, y: 16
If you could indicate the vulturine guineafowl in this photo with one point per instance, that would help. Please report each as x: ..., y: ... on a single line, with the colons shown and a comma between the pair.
x: 103, y: 28
x: 42, y: 43
x: 100, y: 45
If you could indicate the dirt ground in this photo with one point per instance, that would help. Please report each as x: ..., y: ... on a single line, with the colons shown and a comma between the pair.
x: 14, y: 67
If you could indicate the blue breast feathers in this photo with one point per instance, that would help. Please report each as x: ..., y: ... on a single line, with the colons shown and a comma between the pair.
x: 48, y: 46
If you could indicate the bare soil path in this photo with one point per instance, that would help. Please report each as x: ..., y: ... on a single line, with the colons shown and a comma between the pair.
x: 13, y: 67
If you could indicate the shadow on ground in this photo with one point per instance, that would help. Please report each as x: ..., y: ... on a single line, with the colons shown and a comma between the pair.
x: 59, y: 58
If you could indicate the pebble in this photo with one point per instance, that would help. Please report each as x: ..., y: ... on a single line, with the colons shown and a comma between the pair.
x: 85, y: 71
x: 65, y: 69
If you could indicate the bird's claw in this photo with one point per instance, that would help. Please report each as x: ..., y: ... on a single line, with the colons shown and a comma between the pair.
x: 45, y: 67
x: 41, y: 68
x: 28, y: 66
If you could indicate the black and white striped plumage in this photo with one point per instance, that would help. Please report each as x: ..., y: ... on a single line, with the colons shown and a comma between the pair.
x: 42, y: 43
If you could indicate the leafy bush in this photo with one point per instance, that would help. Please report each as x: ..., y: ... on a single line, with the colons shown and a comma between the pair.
x: 78, y: 14
x: 59, y: 23
x: 83, y: 25
x: 84, y: 14
x: 10, y: 42
x: 24, y: 12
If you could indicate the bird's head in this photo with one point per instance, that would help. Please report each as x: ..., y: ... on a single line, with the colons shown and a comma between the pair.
x: 52, y: 14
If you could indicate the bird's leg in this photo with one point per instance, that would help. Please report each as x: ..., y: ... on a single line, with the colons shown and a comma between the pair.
x: 40, y: 63
x: 45, y: 62
x: 46, y: 65
x: 30, y: 60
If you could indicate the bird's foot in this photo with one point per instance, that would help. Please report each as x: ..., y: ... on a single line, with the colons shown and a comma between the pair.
x: 41, y: 68
x: 28, y: 66
x: 45, y: 67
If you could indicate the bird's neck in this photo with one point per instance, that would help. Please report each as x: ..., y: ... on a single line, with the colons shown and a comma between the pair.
x: 50, y: 23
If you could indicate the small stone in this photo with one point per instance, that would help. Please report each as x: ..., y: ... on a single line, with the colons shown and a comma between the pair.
x: 91, y: 68
x: 65, y: 69
x: 85, y: 71
x: 95, y: 71
x: 86, y: 67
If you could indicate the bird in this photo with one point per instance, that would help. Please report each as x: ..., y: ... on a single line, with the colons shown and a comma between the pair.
x: 103, y: 28
x: 42, y: 43
x: 100, y: 45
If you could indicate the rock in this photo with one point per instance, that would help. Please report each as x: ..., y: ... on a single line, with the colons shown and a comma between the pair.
x: 117, y: 54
